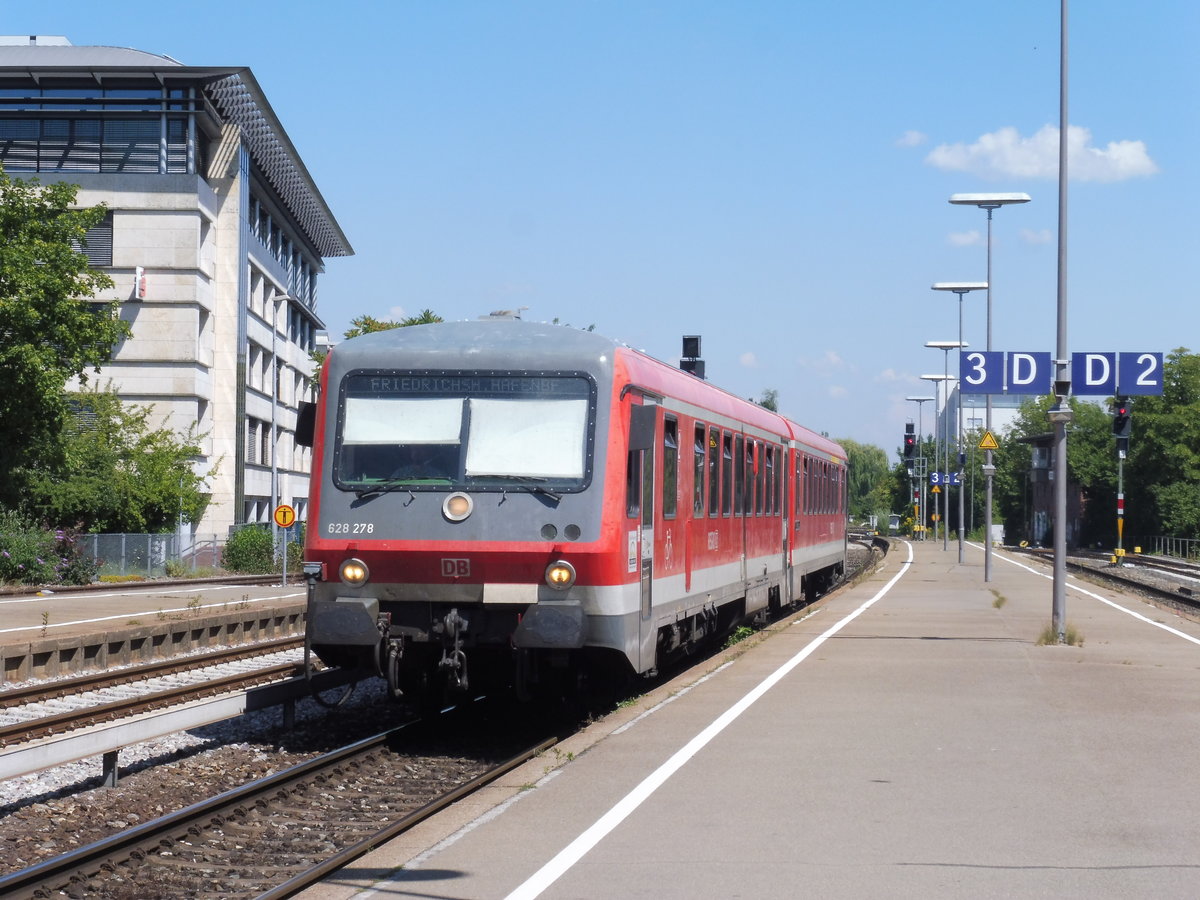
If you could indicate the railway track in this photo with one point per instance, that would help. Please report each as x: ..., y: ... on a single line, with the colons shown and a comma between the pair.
x: 30, y: 712
x: 1174, y: 582
x: 276, y: 835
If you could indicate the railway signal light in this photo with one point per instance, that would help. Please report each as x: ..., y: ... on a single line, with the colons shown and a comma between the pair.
x: 910, y: 441
x: 1122, y: 419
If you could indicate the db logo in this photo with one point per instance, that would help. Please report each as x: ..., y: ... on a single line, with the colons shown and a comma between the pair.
x: 456, y: 568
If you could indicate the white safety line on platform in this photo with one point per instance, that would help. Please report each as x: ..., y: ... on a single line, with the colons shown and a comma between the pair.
x: 1105, y: 600
x: 555, y: 868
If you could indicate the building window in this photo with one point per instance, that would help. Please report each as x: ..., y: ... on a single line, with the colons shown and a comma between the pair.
x: 98, y: 243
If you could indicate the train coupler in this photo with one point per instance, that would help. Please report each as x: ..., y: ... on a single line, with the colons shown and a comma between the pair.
x: 454, y: 659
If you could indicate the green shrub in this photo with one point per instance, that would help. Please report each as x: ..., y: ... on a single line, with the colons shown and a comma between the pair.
x: 33, y: 555
x: 249, y: 551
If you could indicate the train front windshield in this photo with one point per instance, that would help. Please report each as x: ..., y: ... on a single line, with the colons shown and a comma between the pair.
x: 477, y: 431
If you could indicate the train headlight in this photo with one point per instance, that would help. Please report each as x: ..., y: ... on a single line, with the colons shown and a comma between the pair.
x: 560, y: 575
x: 457, y: 506
x: 354, y: 572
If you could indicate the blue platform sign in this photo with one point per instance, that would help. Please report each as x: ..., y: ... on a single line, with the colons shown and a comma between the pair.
x: 1093, y: 374
x: 982, y: 372
x: 1028, y: 373
x: 1123, y: 374
x: 1096, y: 374
x: 1140, y: 373
x: 997, y: 372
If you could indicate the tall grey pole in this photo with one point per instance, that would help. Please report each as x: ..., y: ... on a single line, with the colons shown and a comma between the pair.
x: 946, y: 471
x: 1062, y: 387
x: 988, y: 469
x: 924, y: 476
x: 959, y: 433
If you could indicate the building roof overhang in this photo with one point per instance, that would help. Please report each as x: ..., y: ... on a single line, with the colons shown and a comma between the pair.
x: 232, y: 90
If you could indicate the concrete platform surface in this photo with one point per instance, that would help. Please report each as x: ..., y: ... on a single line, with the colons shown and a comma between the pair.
x: 907, y: 738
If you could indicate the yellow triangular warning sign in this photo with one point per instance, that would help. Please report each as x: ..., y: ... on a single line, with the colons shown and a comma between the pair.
x: 987, y: 442
x: 935, y: 490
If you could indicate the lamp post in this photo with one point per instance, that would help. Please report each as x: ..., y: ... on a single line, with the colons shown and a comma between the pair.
x: 943, y: 429
x: 921, y: 473
x: 973, y: 424
x: 990, y: 202
x: 960, y: 288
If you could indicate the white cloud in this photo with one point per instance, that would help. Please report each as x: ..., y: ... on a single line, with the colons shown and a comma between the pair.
x: 912, y: 139
x: 971, y: 238
x: 749, y: 360
x: 1005, y: 154
x: 891, y: 375
x: 837, y: 390
x: 1044, y: 236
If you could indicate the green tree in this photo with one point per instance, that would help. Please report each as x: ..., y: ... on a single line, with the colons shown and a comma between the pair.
x: 769, y: 399
x: 869, y: 480
x: 51, y: 331
x: 366, y: 324
x: 1162, y: 475
x: 118, y: 474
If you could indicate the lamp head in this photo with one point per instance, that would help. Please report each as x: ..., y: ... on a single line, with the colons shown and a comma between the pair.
x: 960, y: 287
x: 988, y: 201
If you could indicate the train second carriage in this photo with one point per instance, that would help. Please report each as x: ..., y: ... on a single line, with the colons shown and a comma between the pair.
x: 507, y: 504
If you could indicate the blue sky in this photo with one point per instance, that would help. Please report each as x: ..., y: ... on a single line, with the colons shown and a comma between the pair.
x: 773, y: 176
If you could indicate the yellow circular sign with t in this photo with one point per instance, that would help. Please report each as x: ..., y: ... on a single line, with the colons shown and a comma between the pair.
x: 284, y: 516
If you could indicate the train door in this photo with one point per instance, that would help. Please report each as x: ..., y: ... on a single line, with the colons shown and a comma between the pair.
x: 642, y: 431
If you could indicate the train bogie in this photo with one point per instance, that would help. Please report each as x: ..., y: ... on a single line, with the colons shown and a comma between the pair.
x: 522, y: 503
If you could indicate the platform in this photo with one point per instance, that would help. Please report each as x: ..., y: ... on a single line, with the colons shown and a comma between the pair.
x: 907, y: 738
x: 66, y: 631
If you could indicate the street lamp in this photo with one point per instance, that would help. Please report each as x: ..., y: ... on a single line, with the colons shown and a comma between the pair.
x: 989, y: 202
x: 940, y: 429
x: 921, y: 470
x: 960, y: 288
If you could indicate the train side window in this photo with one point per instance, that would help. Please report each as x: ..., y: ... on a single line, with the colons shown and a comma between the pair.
x: 808, y: 485
x: 726, y: 473
x: 760, y: 495
x: 797, y: 492
x: 751, y: 475
x: 648, y: 487
x: 699, y: 455
x: 739, y: 476
x: 714, y: 471
x: 770, y: 507
x: 670, y: 468
x: 633, y: 484
x: 780, y: 479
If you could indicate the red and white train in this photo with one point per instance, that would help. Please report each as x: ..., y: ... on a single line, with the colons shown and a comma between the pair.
x: 519, y: 503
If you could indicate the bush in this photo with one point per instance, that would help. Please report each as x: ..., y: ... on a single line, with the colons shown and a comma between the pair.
x: 33, y: 555
x: 249, y: 551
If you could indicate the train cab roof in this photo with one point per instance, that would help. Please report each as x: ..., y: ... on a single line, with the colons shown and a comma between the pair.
x: 503, y: 344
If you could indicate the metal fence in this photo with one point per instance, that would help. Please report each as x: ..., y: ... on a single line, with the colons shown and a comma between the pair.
x: 150, y: 554
x: 1184, y: 548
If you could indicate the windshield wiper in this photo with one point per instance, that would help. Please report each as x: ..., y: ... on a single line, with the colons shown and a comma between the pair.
x: 385, y: 488
x: 534, y: 484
